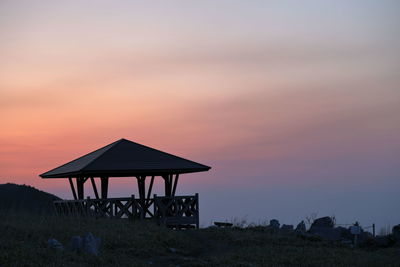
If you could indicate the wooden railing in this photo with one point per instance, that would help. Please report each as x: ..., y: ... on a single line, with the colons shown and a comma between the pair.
x: 175, y: 211
x: 171, y: 211
x: 110, y: 207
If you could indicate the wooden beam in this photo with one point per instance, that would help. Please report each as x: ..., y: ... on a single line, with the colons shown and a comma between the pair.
x: 150, y: 188
x: 72, y: 188
x: 104, y: 187
x: 96, y: 193
x: 175, y: 184
x: 141, y: 181
x: 167, y: 181
x: 141, y: 187
x: 79, y: 185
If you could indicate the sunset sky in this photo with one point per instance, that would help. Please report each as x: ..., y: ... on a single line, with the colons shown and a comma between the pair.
x: 294, y: 104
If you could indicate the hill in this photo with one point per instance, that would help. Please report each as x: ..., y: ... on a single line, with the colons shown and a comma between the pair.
x: 24, y: 198
x: 23, y: 242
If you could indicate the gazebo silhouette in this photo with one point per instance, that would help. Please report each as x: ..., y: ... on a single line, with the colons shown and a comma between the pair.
x: 125, y: 158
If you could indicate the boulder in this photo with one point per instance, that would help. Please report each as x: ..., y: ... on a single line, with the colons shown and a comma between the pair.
x: 323, y: 222
x: 55, y: 244
x: 274, y: 224
x: 301, y: 227
x: 90, y: 244
x: 396, y: 232
x: 323, y: 227
x: 287, y: 228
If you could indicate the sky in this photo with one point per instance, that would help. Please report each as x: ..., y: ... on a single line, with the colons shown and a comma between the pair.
x: 294, y: 104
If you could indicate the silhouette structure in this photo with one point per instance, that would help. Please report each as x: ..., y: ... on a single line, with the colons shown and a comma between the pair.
x: 125, y: 158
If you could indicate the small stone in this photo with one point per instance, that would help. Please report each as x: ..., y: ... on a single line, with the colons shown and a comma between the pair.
x: 274, y: 224
x: 301, y: 227
x: 55, y: 244
x: 91, y: 244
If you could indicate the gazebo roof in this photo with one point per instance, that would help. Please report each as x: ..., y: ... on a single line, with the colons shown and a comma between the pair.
x: 125, y: 158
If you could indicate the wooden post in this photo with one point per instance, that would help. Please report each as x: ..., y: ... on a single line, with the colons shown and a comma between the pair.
x: 104, y: 187
x: 79, y: 184
x: 94, y: 188
x: 87, y: 205
x: 72, y: 188
x: 141, y: 186
x: 168, y: 186
x: 155, y: 205
x: 149, y: 191
x: 373, y: 229
x: 198, y: 211
x: 133, y: 206
x: 142, y: 191
x: 175, y: 184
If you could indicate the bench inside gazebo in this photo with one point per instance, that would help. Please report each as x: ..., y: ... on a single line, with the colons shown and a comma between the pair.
x: 125, y: 158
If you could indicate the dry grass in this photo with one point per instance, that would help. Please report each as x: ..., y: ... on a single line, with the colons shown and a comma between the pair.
x: 23, y: 242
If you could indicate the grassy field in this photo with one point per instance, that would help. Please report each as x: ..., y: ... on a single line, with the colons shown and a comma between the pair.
x: 23, y: 242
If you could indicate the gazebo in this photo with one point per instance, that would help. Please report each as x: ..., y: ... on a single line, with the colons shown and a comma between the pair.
x: 125, y: 158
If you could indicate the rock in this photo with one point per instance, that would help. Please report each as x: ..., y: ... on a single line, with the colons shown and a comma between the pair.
x: 75, y: 244
x: 301, y: 227
x: 323, y: 227
x: 396, y: 232
x: 274, y: 224
x: 323, y: 222
x: 90, y: 244
x: 287, y: 228
x: 54, y: 244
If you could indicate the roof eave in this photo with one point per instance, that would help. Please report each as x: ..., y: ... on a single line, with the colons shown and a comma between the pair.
x: 123, y: 173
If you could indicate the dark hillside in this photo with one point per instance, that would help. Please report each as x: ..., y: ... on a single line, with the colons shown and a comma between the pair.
x: 23, y: 198
x: 24, y: 242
